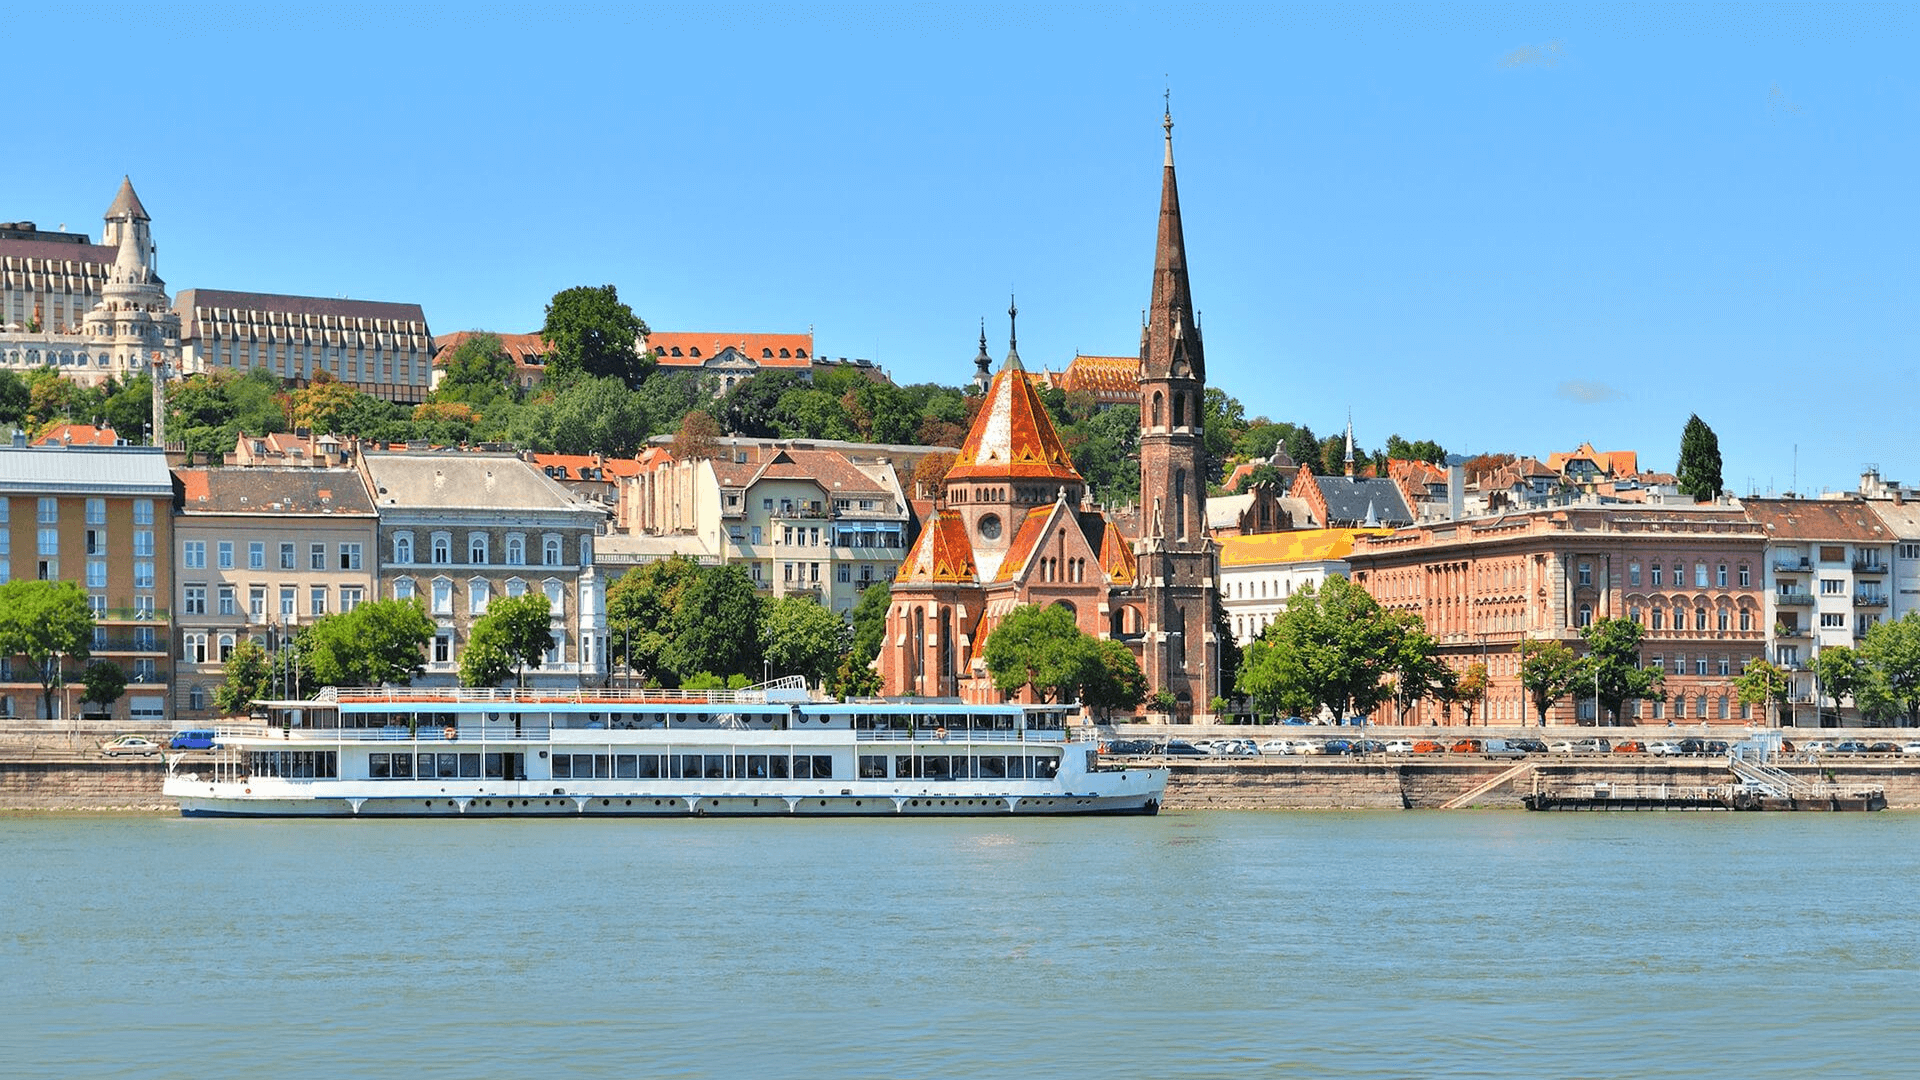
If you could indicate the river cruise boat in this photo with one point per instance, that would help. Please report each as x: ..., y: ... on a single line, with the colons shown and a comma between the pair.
x: 766, y: 751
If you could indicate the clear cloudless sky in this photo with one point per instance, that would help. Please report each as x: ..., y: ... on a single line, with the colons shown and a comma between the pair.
x: 1499, y: 228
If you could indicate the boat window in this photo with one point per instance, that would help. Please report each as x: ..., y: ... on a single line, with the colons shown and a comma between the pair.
x: 470, y: 766
x: 716, y: 766
x: 873, y: 767
x: 1016, y: 768
x: 625, y: 767
x: 649, y: 767
x: 496, y: 767
x: 1045, y: 768
x: 778, y: 767
x: 992, y: 768
x: 378, y: 767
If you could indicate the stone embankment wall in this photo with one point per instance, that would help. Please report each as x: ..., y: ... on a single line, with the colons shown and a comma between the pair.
x: 1381, y: 783
x: 79, y: 784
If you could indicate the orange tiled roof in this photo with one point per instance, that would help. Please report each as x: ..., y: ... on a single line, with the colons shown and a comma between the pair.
x: 694, y: 348
x: 942, y: 554
x: 1032, y: 528
x: 1116, y: 556
x: 526, y: 350
x: 573, y: 463
x: 1012, y: 437
x: 1102, y: 374
x: 79, y: 435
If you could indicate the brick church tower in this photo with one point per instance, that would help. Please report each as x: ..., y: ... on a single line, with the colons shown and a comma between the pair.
x: 1178, y: 561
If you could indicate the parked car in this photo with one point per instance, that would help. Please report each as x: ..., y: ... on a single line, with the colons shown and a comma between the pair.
x: 1276, y: 747
x: 1850, y: 746
x: 1399, y: 746
x: 1666, y: 748
x: 1336, y: 746
x: 1429, y: 746
x: 1367, y: 746
x: 130, y: 746
x: 1127, y: 746
x: 194, y: 739
x: 1530, y: 746
x: 1235, y: 748
x: 1630, y: 746
x: 1182, y: 748
x: 1716, y: 746
x: 1883, y: 748
x: 1299, y: 720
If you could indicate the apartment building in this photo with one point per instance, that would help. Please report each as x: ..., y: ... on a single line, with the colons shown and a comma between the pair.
x: 376, y: 347
x: 1829, y: 579
x: 261, y: 552
x: 459, y: 529
x: 1260, y: 573
x: 99, y: 516
x: 1694, y: 578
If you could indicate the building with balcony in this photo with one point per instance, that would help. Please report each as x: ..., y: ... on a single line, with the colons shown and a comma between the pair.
x: 1692, y: 577
x: 802, y: 520
x: 458, y: 529
x: 261, y: 552
x: 98, y: 516
x: 1830, y: 574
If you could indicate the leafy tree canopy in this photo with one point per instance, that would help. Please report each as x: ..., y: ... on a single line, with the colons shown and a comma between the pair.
x: 511, y: 637
x: 1042, y: 649
x: 1548, y: 669
x: 640, y: 609
x: 592, y: 333
x: 104, y: 682
x: 1331, y: 648
x: 479, y: 373
x: 715, y: 626
x: 800, y: 637
x: 383, y: 641
x: 45, y: 621
x: 1698, y: 472
x: 1613, y: 665
x: 249, y: 678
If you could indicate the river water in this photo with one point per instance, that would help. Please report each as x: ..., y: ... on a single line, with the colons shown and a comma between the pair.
x: 1477, y: 944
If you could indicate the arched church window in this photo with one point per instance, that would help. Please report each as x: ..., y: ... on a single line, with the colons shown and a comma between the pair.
x: 1179, y: 410
x: 1156, y: 408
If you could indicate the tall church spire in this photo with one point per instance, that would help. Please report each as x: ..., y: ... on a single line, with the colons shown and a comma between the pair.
x: 983, y: 364
x: 1013, y: 336
x: 1172, y: 338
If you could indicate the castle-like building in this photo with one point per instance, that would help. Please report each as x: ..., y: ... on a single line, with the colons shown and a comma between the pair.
x: 1014, y: 524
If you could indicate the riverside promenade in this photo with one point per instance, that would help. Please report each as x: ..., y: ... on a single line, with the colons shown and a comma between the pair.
x: 65, y: 771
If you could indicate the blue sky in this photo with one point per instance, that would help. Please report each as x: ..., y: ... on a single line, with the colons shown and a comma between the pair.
x: 1499, y: 228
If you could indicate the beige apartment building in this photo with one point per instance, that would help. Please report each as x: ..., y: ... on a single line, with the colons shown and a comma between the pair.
x: 99, y: 516
x: 260, y: 553
x: 802, y: 521
x: 1694, y: 578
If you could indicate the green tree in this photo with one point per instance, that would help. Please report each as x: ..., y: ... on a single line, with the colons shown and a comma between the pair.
x: 640, y: 607
x: 715, y: 626
x: 479, y: 373
x: 129, y: 408
x: 1761, y: 682
x: 1223, y: 420
x: 698, y: 438
x: 1890, y: 654
x: 800, y: 637
x: 14, y: 398
x: 1838, y: 672
x: 1548, y: 669
x: 1698, y: 472
x: 752, y: 407
x: 383, y: 641
x: 592, y: 333
x: 1304, y: 448
x: 249, y: 678
x: 1039, y: 648
x: 853, y: 679
x: 591, y: 415
x: 1331, y: 648
x: 1471, y: 689
x: 870, y: 621
x: 1613, y: 664
x: 320, y: 405
x: 1417, y: 670
x: 1425, y: 450
x: 511, y: 637
x: 1114, y: 681
x: 47, y: 622
x: 104, y: 682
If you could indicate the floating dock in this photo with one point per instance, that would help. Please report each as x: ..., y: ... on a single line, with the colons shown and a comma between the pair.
x: 1757, y: 786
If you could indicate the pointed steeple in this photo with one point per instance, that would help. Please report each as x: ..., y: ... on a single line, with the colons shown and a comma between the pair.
x: 1013, y: 336
x: 1170, y: 343
x: 983, y: 364
x: 1349, y: 458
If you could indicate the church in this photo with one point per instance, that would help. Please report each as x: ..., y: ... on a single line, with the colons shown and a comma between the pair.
x: 1014, y: 524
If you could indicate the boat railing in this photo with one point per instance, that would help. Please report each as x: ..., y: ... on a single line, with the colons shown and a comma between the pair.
x: 586, y: 695
x: 1046, y: 735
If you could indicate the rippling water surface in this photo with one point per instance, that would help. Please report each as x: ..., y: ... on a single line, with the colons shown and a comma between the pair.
x: 1189, y: 945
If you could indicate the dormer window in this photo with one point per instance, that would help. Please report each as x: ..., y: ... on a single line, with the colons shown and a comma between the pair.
x: 767, y: 354
x: 801, y: 353
x: 785, y: 355
x: 693, y: 350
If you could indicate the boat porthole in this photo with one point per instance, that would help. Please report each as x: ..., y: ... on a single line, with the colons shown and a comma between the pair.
x: 606, y: 802
x: 629, y: 802
x: 546, y: 802
x: 823, y: 802
x: 656, y: 802
x: 429, y: 802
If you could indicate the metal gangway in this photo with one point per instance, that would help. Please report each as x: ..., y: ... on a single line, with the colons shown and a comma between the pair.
x: 1775, y: 782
